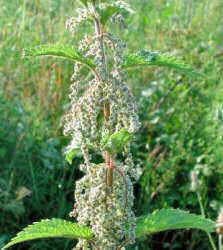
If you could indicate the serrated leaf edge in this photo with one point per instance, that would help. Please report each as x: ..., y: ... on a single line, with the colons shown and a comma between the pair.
x: 84, y: 232
x: 141, y: 233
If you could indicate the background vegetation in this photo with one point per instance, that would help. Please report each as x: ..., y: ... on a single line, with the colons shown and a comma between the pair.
x: 182, y: 117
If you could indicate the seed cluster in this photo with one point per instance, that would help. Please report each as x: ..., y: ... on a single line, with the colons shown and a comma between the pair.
x: 108, y: 211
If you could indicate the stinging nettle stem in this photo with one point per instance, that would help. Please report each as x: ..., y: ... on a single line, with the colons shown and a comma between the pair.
x: 104, y: 109
x: 108, y: 158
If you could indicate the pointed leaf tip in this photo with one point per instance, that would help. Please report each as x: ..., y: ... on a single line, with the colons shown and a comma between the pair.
x: 59, y: 50
x: 51, y: 228
x: 150, y: 58
x: 169, y: 219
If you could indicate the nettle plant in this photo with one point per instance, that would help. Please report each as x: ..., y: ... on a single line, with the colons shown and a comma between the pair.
x: 103, y: 119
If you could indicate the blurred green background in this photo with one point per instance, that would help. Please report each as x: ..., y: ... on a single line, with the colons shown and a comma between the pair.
x: 182, y: 118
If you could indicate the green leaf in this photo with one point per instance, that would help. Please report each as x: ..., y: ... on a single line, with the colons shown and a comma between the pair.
x: 70, y: 155
x: 148, y: 58
x: 111, y: 10
x: 107, y: 13
x: 84, y: 2
x: 3, y: 239
x: 87, y: 1
x: 51, y: 229
x: 168, y: 219
x: 59, y: 50
x: 115, y: 142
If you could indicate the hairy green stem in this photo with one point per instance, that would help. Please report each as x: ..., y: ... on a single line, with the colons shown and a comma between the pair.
x: 108, y: 157
x: 220, y: 242
x: 203, y: 214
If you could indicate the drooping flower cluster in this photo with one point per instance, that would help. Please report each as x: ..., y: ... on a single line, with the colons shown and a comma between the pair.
x: 86, y: 14
x: 110, y: 216
x: 84, y: 120
x: 73, y: 22
x: 101, y: 105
